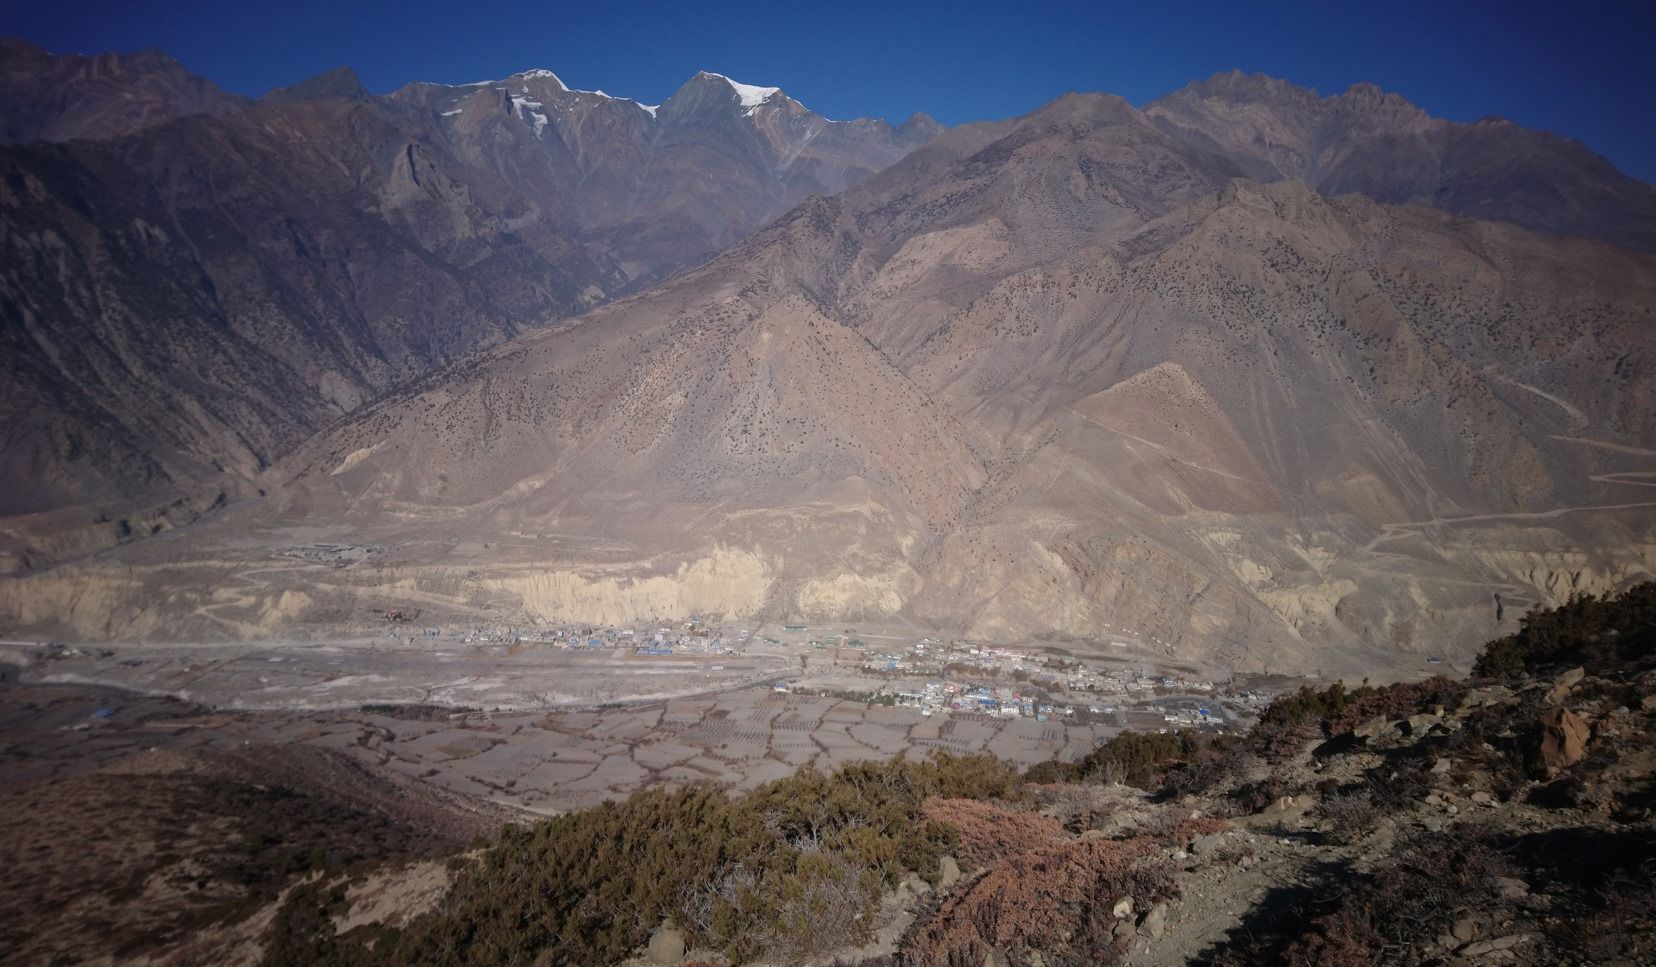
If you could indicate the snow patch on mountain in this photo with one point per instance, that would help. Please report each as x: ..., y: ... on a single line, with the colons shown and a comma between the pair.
x: 530, y: 111
x: 750, y: 96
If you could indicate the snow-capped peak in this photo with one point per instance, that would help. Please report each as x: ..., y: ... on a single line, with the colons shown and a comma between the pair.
x: 649, y: 109
x: 750, y: 96
x: 540, y: 73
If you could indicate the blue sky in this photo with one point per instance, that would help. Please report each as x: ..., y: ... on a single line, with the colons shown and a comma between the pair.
x: 1586, y: 69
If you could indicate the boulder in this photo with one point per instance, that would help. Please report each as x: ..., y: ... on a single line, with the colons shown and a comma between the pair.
x: 1486, y: 947
x: 1464, y: 930
x: 1419, y: 724
x: 666, y: 946
x: 1373, y: 728
x: 1155, y: 922
x: 948, y: 872
x: 1564, y: 736
x: 1511, y: 887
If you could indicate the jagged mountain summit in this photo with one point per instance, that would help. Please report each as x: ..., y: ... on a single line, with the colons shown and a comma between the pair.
x: 1072, y: 376
x: 194, y: 283
x: 638, y: 174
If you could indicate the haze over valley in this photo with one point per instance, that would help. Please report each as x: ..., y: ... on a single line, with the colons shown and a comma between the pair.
x: 856, y: 532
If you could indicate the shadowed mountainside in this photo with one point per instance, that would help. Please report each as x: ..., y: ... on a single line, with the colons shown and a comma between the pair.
x: 195, y: 282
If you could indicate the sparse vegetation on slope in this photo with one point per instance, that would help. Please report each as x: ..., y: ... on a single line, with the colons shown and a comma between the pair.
x: 1494, y: 820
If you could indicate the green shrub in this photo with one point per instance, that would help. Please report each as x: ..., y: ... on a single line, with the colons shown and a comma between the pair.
x: 789, y: 870
x: 1591, y: 631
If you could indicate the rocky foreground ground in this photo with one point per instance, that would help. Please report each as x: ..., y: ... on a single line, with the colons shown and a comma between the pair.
x: 1506, y: 819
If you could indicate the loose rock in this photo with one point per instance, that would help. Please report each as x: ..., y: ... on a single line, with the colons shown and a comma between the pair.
x: 1564, y: 736
x: 666, y: 946
x: 1155, y: 922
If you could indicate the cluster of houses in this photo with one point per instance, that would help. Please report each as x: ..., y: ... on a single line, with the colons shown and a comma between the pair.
x: 956, y: 676
x: 1005, y: 702
x: 1054, y: 673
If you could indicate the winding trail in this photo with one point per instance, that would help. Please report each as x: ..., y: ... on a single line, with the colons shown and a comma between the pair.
x: 1393, y: 532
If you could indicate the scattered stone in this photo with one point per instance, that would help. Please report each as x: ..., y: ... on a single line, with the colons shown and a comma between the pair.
x: 1571, y: 677
x: 1433, y: 799
x: 1125, y: 931
x: 1452, y: 809
x: 1123, y: 908
x: 1155, y: 922
x: 1557, y: 695
x: 1180, y: 854
x: 1441, y: 767
x: 1464, y: 930
x: 1564, y: 737
x: 1207, y: 844
x: 1648, y: 703
x: 666, y: 946
x: 1483, y: 798
x: 1282, y: 805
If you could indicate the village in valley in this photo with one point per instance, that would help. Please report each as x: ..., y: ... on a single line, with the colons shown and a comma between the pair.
x: 551, y: 718
x: 1113, y: 686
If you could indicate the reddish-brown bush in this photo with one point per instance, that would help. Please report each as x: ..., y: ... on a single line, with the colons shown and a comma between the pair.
x: 1186, y: 831
x: 1395, y: 702
x: 989, y: 833
x: 1056, y: 900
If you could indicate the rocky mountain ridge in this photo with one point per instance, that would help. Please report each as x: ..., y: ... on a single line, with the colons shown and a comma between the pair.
x: 1377, y: 143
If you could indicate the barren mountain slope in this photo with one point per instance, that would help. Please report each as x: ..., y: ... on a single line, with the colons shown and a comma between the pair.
x: 1069, y: 378
x: 194, y: 283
